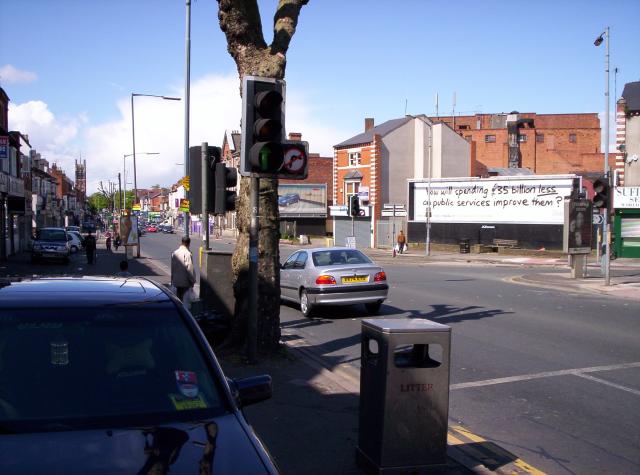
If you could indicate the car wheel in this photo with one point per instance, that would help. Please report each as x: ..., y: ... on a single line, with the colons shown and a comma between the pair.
x: 305, y: 306
x: 373, y: 308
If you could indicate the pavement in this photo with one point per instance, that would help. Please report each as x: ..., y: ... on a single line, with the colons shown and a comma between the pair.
x: 310, y: 425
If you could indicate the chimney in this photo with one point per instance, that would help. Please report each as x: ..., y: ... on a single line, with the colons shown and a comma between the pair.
x: 297, y: 136
x: 368, y: 123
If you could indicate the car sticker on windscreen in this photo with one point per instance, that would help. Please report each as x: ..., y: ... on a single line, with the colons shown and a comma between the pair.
x: 187, y: 382
x: 182, y: 403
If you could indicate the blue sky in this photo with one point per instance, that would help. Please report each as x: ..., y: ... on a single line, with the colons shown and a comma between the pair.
x: 69, y: 67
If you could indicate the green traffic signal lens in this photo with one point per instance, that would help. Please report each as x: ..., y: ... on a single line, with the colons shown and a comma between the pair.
x: 266, y: 157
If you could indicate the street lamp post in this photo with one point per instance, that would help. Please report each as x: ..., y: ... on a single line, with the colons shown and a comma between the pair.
x: 604, y: 36
x: 133, y: 139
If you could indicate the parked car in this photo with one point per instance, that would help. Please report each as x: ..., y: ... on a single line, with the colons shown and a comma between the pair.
x: 332, y: 275
x: 168, y: 229
x: 152, y: 228
x: 76, y: 243
x: 72, y: 228
x: 51, y: 243
x: 121, y: 380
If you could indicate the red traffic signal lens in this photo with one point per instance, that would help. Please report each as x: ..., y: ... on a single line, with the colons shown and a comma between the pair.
x: 268, y: 104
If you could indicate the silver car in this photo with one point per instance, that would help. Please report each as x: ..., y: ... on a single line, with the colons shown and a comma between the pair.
x: 332, y: 276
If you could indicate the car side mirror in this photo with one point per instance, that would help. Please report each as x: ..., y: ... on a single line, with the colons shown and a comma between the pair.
x: 252, y: 390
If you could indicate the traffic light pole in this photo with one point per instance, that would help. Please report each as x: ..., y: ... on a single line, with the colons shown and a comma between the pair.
x: 607, y: 237
x: 252, y: 333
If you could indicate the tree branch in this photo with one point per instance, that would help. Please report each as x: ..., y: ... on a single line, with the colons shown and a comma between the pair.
x: 284, y: 24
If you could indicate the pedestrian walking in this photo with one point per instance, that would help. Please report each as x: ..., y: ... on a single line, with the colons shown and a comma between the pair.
x: 124, y: 270
x: 401, y: 240
x: 183, y: 276
x: 90, y: 248
x: 116, y: 242
x: 108, y: 242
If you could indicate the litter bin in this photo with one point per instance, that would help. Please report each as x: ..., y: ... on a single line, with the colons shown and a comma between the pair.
x: 404, y: 396
x: 464, y: 246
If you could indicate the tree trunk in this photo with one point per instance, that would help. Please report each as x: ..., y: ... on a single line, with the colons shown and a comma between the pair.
x: 240, y: 21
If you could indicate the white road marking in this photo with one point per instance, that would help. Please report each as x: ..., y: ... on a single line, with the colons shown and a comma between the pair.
x: 609, y: 383
x: 547, y: 374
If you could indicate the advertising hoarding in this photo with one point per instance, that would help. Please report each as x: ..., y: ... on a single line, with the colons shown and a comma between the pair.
x: 302, y: 200
x: 508, y: 200
x: 626, y: 197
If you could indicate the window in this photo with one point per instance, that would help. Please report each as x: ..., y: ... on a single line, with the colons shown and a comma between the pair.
x: 463, y: 127
x: 522, y: 138
x: 351, y: 188
x: 468, y: 138
x: 573, y: 138
x: 290, y: 263
x: 540, y: 138
x: 301, y: 260
x: 355, y: 158
x: 348, y: 256
x: 489, y: 139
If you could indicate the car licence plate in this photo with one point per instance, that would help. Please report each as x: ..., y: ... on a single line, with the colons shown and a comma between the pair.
x: 354, y: 279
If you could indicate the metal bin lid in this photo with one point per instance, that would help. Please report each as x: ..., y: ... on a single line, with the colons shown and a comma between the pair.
x: 404, y: 325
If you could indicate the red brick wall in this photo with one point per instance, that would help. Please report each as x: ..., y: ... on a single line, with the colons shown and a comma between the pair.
x: 342, y: 160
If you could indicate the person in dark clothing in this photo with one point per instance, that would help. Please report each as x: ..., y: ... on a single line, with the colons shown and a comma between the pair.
x: 90, y: 248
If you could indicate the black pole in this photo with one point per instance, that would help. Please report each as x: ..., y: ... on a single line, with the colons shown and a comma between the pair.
x: 254, y: 228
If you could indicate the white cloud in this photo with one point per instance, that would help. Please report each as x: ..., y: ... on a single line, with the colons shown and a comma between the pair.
x: 159, y: 124
x: 12, y: 75
x: 215, y: 107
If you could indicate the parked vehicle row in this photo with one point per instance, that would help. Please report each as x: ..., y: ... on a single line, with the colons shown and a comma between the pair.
x: 51, y: 243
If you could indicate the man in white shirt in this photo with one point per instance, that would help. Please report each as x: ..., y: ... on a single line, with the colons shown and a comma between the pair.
x: 183, y: 276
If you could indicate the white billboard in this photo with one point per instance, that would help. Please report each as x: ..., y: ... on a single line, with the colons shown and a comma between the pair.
x: 507, y: 200
x: 626, y: 197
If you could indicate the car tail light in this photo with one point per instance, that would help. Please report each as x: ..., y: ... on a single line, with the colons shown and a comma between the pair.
x: 379, y: 277
x: 325, y: 280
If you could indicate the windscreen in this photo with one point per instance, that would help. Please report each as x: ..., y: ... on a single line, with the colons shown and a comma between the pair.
x: 338, y: 257
x: 114, y: 366
x: 52, y: 235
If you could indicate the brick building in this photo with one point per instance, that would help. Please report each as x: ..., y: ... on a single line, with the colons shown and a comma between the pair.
x: 546, y: 144
x: 376, y: 164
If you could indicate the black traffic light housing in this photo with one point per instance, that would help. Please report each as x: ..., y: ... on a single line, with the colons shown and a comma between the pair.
x: 354, y: 205
x: 225, y: 199
x: 214, y: 155
x: 264, y: 151
x: 602, y: 191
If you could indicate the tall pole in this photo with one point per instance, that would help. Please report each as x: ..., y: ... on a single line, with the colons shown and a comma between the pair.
x: 124, y: 176
x: 187, y: 80
x: 607, y: 238
x: 133, y: 139
x: 252, y: 333
x: 427, y: 244
x: 120, y: 192
x: 205, y: 195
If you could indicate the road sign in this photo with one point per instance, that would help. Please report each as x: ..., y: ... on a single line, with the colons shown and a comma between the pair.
x: 186, y: 182
x: 598, y: 219
x: 184, y: 205
x: 136, y: 207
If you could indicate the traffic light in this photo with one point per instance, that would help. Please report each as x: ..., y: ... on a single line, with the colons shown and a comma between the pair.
x: 213, y: 154
x: 354, y: 205
x: 264, y: 151
x: 602, y: 192
x: 225, y: 199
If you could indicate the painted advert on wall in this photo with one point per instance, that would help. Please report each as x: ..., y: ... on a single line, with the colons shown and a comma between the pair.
x: 492, y: 200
